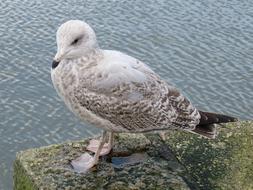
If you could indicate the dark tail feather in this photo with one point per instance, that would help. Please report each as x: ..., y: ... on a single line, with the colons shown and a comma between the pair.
x: 206, y: 126
x: 212, y: 118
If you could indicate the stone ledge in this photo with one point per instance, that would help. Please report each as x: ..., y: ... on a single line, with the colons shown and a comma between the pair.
x: 49, y: 167
x: 183, y: 161
x: 223, y: 163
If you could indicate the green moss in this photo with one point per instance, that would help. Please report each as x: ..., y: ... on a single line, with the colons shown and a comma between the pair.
x: 21, y: 179
x: 223, y: 163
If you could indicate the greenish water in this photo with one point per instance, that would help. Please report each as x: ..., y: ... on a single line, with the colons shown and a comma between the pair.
x: 203, y: 47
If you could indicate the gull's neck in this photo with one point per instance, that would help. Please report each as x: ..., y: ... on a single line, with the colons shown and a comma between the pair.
x: 90, y: 57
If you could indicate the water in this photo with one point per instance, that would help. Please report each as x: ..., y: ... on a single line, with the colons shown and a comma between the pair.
x: 203, y: 47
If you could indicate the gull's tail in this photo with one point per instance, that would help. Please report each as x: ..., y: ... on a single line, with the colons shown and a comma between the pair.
x: 206, y: 126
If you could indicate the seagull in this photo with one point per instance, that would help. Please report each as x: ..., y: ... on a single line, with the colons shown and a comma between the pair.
x: 118, y: 93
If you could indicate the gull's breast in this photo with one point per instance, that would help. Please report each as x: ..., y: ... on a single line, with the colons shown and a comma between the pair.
x: 66, y: 81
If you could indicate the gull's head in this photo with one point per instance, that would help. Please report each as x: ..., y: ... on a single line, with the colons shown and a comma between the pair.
x: 75, y: 39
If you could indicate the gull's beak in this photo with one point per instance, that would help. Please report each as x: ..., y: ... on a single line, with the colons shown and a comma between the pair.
x: 57, y: 59
x: 55, y: 64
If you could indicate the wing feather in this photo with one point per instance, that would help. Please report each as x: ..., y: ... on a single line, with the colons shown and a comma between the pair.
x: 140, y: 103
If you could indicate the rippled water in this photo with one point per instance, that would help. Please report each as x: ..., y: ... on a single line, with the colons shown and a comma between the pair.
x: 205, y: 48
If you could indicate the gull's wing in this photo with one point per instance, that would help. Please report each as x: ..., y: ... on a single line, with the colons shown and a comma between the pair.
x: 129, y: 94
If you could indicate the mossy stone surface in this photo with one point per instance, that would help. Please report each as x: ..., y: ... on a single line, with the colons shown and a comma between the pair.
x: 49, y: 167
x: 223, y: 163
x: 183, y: 161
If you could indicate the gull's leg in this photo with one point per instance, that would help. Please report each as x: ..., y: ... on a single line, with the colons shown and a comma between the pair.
x: 162, y: 134
x: 86, y: 161
x: 111, y: 139
x: 93, y: 146
x: 108, y: 146
x: 100, y: 147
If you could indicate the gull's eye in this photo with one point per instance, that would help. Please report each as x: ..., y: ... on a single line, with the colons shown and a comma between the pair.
x: 75, y: 41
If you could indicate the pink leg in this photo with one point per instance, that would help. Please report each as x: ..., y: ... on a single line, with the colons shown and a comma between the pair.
x: 94, y: 144
x: 163, y: 135
x: 86, y: 161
